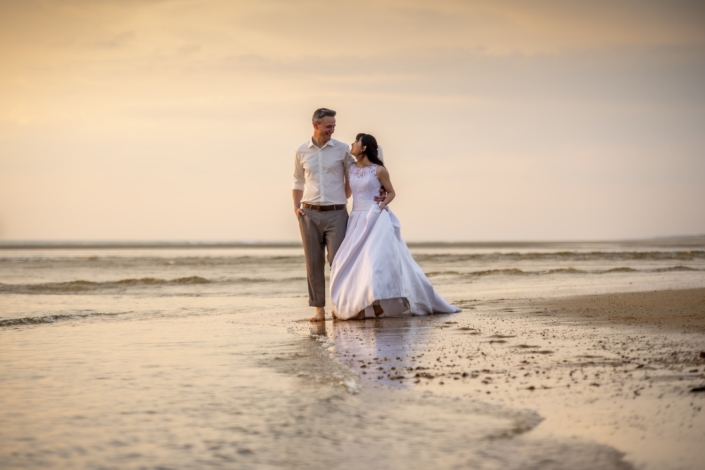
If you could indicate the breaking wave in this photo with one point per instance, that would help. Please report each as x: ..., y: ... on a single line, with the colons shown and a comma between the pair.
x: 519, y: 272
x: 566, y: 256
x: 565, y: 271
x: 51, y: 319
x: 73, y: 287
x: 674, y: 268
x: 84, y: 287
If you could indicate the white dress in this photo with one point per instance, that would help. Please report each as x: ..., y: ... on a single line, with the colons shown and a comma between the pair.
x: 374, y: 263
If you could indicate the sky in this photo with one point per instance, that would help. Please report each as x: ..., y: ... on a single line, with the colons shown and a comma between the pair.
x: 500, y: 120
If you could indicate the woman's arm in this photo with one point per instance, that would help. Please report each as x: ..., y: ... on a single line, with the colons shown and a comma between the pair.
x: 383, y: 177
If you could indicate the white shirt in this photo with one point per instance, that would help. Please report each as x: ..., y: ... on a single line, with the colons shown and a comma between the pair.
x: 320, y: 172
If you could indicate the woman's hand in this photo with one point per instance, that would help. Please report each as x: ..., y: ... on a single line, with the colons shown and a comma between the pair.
x: 382, y: 206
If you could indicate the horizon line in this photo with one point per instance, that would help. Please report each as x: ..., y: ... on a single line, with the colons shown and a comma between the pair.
x: 677, y: 240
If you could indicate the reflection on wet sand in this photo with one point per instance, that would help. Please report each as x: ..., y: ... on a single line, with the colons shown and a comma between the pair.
x: 383, y: 350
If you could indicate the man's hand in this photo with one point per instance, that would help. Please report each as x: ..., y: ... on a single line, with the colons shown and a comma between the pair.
x: 297, y: 195
x: 382, y: 195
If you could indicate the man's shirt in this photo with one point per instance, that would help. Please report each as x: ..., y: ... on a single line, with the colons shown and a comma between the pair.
x: 320, y: 172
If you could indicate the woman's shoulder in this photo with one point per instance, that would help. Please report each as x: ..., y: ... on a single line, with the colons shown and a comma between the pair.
x: 381, y: 170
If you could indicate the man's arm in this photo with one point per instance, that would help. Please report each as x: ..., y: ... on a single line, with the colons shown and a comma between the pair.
x: 299, y: 183
x: 298, y: 194
x: 382, y: 195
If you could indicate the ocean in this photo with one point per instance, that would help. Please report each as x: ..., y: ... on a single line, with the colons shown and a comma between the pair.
x: 170, y: 356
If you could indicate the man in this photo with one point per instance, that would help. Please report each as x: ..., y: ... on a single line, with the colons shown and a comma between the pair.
x: 320, y: 202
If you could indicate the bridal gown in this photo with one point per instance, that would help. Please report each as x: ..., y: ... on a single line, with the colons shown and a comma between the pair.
x: 374, y: 263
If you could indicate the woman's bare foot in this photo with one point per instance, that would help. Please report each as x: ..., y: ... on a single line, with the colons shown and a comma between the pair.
x: 320, y: 315
x: 360, y: 316
x: 378, y: 309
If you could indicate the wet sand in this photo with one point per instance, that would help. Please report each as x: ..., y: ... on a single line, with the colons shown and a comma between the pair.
x: 677, y: 310
x: 617, y: 369
x: 507, y: 383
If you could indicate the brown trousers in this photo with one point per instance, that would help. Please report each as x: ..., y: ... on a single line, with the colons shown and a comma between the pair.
x: 320, y: 230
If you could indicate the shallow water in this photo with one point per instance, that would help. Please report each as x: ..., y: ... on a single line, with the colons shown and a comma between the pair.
x: 193, y: 358
x: 45, y: 285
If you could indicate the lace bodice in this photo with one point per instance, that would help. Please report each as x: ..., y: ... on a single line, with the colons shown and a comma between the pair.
x: 364, y: 184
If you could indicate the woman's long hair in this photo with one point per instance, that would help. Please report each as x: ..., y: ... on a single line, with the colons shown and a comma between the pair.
x: 371, y: 150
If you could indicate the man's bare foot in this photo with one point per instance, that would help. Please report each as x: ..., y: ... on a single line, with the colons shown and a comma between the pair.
x: 320, y: 315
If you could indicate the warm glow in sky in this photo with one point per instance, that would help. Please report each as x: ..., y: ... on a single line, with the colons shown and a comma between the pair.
x: 500, y: 120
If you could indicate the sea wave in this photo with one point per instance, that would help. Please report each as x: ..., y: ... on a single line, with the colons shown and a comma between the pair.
x: 277, y: 261
x: 261, y: 280
x: 674, y: 268
x: 565, y: 271
x: 619, y: 270
x: 564, y: 256
x: 131, y: 261
x: 40, y: 320
x: 82, y: 287
x: 519, y: 272
x: 506, y: 272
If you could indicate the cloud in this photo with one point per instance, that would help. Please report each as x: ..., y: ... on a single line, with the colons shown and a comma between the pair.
x: 526, y: 105
x: 309, y: 27
x: 116, y: 40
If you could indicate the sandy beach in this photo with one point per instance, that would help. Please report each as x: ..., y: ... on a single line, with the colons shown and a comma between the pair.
x: 617, y: 369
x: 575, y: 357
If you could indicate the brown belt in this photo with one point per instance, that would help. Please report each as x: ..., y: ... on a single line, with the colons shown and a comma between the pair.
x: 334, y: 207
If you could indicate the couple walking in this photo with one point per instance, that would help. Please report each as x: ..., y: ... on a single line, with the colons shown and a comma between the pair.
x: 372, y: 270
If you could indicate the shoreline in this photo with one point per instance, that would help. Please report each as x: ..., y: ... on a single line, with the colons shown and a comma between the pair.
x: 617, y: 369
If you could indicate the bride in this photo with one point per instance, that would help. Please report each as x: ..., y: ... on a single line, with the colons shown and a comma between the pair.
x: 373, y: 273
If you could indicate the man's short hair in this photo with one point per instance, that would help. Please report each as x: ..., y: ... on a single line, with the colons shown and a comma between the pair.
x: 320, y: 113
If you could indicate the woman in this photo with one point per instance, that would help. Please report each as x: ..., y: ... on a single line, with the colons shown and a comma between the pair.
x: 373, y: 273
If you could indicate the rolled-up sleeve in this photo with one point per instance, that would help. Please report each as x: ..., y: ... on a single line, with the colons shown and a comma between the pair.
x: 299, y: 177
x: 349, y: 160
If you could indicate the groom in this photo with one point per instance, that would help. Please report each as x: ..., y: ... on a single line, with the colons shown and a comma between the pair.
x: 320, y: 202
